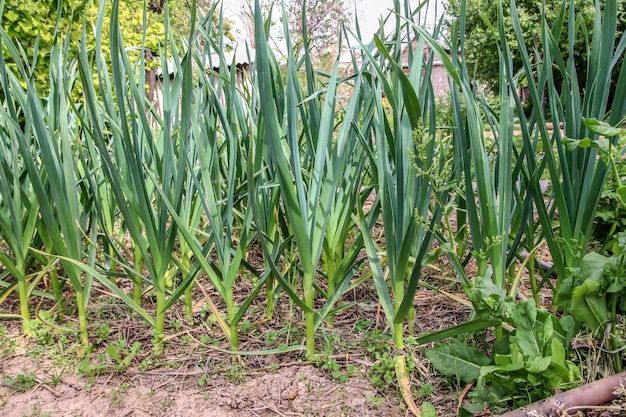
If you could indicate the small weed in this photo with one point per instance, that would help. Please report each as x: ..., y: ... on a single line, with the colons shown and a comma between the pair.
x: 362, y: 325
x: 55, y: 377
x: 21, y: 382
x: 121, y: 354
x: 117, y: 359
x: 7, y: 344
x: 428, y: 410
x: 102, y: 332
x: 374, y: 400
x: 271, y: 336
x: 326, y: 361
x: 382, y: 373
x: 148, y: 363
x: 36, y: 351
x: 336, y: 370
x: 236, y: 374
x: 245, y: 326
x: 40, y: 332
x: 91, y: 369
x: 36, y: 411
x: 116, y: 397
x: 425, y: 390
x: 208, y: 340
x: 176, y: 326
x: 117, y: 394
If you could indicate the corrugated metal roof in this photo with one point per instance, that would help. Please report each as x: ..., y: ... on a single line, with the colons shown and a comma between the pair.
x: 241, y: 55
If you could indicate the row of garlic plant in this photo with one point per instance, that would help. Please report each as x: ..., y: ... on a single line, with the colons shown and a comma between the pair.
x: 179, y: 193
x: 279, y: 160
x: 501, y: 179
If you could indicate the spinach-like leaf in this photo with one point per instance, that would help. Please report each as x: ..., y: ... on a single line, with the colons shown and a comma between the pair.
x: 458, y: 360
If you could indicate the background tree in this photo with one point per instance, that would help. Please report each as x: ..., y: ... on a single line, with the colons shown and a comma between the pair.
x: 32, y: 24
x: 481, y: 41
x: 323, y: 25
x: 323, y: 22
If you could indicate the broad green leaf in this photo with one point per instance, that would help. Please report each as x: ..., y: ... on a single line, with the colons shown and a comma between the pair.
x: 113, y: 353
x: 559, y: 361
x: 547, y: 331
x: 508, y: 363
x: 486, y: 297
x: 591, y: 267
x: 589, y: 306
x: 428, y: 410
x: 538, y: 365
x: 458, y: 360
x: 572, y: 144
x: 524, y: 317
x: 500, y: 369
x: 602, y: 128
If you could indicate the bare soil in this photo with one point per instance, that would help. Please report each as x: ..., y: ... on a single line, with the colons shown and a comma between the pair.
x: 197, y: 377
x: 291, y: 390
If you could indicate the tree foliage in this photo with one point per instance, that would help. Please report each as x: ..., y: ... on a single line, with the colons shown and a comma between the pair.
x: 481, y: 30
x: 323, y: 24
x: 32, y: 24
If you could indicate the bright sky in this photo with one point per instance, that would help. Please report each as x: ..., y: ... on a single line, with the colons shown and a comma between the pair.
x: 368, y: 12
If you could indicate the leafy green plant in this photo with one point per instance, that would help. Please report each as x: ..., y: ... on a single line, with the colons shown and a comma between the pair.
x: 236, y: 374
x: 102, y: 333
x: 7, y: 344
x: 117, y: 358
x: 379, y: 348
x: 534, y: 365
x: 122, y: 354
x: 21, y: 382
x: 597, y: 295
x: 507, y: 188
x: 328, y: 362
x: 594, y: 289
x: 611, y: 214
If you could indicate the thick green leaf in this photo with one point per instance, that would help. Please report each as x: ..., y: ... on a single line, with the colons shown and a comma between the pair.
x: 524, y: 318
x: 602, y: 128
x: 538, y: 364
x: 589, y: 305
x: 458, y: 360
x: 428, y: 410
